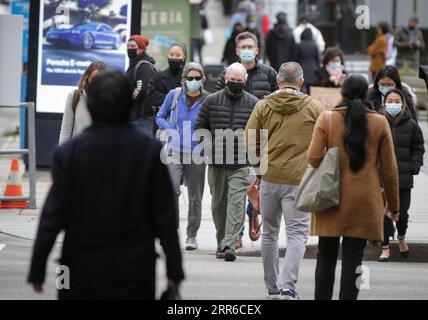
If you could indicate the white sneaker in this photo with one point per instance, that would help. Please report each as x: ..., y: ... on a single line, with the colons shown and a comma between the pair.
x: 191, y: 244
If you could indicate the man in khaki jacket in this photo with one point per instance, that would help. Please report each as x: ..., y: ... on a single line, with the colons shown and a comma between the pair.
x: 289, y: 117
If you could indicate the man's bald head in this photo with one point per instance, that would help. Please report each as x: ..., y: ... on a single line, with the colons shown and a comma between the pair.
x: 236, y: 72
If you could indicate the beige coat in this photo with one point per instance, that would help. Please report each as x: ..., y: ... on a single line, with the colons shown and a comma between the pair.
x: 361, y: 210
x: 81, y: 120
x: 289, y: 117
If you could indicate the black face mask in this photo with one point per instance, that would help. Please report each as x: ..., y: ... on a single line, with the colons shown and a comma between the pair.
x: 175, y: 64
x: 132, y: 53
x: 235, y: 87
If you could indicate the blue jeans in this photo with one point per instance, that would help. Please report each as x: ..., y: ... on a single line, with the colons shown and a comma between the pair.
x: 145, y: 125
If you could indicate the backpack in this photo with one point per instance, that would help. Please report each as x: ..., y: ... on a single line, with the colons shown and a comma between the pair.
x: 160, y: 133
x: 154, y: 68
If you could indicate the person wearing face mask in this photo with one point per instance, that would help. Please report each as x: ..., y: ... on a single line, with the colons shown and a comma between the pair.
x: 261, y: 79
x: 179, y: 111
x: 332, y: 73
x: 76, y: 116
x: 163, y: 82
x: 289, y: 116
x: 409, y: 150
x: 409, y: 42
x: 387, y: 79
x: 141, y: 70
x: 225, y: 114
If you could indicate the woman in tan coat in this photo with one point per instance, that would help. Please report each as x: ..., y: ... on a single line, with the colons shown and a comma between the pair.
x: 379, y: 49
x: 367, y: 160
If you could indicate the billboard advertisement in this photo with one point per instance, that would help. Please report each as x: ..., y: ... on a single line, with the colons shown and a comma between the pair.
x: 165, y: 22
x: 72, y: 34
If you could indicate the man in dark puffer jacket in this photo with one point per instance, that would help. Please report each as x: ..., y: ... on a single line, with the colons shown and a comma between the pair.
x: 261, y: 82
x: 261, y: 79
x: 409, y: 150
x: 228, y: 109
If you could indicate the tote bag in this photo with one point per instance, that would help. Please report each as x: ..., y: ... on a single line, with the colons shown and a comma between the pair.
x: 319, y: 189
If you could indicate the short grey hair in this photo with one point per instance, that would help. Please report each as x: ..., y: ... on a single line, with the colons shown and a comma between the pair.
x: 237, y: 67
x: 290, y: 72
x: 190, y: 66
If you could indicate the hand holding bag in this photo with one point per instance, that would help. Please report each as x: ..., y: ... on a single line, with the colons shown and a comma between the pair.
x: 319, y: 189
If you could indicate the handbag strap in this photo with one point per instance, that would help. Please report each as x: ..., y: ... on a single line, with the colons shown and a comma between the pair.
x: 328, y: 120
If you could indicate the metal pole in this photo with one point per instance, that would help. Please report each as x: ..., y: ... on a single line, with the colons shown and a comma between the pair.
x: 32, y: 153
x: 394, y: 14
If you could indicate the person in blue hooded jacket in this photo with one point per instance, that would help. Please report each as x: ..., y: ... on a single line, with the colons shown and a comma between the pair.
x: 177, y: 117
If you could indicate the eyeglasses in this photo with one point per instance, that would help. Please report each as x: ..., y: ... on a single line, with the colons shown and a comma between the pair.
x: 247, y: 48
x: 193, y: 78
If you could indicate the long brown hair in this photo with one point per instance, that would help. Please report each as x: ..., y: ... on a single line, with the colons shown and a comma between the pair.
x: 84, y: 81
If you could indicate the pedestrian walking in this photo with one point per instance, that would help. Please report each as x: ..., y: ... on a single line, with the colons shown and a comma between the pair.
x: 409, y: 41
x: 309, y: 58
x: 391, y: 56
x: 409, y: 150
x: 290, y: 117
x: 112, y: 197
x: 179, y: 112
x: 141, y: 70
x: 229, y: 52
x: 170, y: 78
x: 378, y: 50
x: 305, y: 23
x: 280, y: 44
x: 367, y: 157
x: 332, y: 73
x: 76, y: 117
x: 261, y: 79
x: 227, y: 112
x: 386, y: 80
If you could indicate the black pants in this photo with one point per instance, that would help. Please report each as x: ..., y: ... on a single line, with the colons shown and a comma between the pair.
x: 403, y: 220
x: 352, y: 258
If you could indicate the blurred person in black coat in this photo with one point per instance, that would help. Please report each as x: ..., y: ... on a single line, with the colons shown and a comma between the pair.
x: 308, y: 57
x: 229, y: 52
x: 164, y: 81
x: 112, y: 197
x: 280, y: 44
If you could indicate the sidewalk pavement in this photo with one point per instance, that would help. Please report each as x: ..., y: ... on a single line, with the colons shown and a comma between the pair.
x: 23, y: 223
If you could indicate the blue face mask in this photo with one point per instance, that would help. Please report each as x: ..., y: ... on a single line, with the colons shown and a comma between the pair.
x: 193, y: 85
x: 393, y: 109
x: 247, y: 56
x: 385, y: 90
x: 335, y: 65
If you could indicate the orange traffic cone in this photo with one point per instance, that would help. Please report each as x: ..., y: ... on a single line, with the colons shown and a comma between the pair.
x: 14, y: 188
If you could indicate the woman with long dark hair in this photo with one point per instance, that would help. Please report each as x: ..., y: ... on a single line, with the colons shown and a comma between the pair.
x: 387, y: 79
x: 364, y: 141
x: 76, y: 116
x: 409, y: 150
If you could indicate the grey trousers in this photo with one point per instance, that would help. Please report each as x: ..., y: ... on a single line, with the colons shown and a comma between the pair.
x: 228, y: 190
x: 194, y: 175
x: 276, y: 201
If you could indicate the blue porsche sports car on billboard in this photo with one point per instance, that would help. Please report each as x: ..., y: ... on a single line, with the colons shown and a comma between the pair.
x: 87, y: 35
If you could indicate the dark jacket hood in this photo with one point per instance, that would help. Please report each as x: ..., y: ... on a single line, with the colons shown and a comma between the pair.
x: 280, y: 32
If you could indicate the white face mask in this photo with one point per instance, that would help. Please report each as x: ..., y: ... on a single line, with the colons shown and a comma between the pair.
x: 393, y: 109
